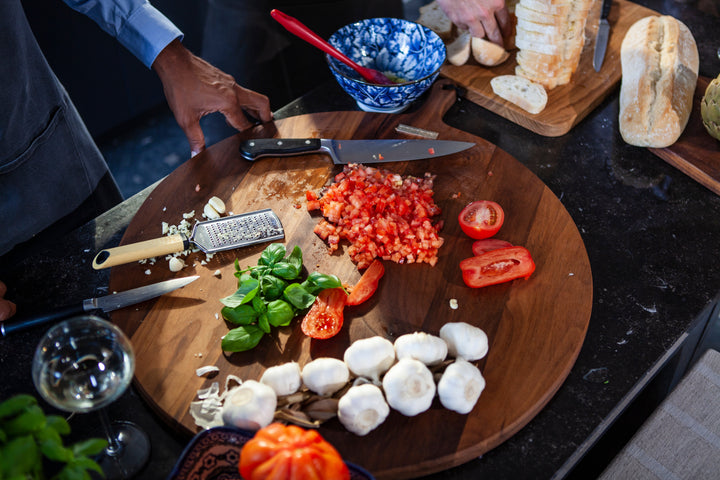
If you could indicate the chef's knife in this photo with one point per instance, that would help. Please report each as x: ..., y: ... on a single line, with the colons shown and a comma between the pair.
x: 343, y: 152
x: 603, y: 33
x: 107, y: 303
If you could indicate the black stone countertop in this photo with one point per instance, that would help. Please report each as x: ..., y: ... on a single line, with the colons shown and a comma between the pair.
x: 650, y: 233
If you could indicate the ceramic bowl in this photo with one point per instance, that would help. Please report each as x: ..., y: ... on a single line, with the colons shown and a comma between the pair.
x: 404, y: 51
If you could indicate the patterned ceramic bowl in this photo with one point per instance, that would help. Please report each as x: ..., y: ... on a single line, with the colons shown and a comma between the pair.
x: 406, y: 52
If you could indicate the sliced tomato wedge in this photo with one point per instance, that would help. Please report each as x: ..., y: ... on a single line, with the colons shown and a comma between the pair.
x: 487, y: 244
x: 497, y: 266
x: 325, y: 318
x: 368, y: 283
x: 481, y: 219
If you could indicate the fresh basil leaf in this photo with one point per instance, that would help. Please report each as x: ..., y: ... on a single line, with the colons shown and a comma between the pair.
x: 272, y: 254
x: 244, y: 294
x: 59, y: 424
x: 260, y: 271
x: 264, y: 323
x: 272, y: 287
x: 240, y: 339
x: 89, y: 447
x: 87, y: 464
x: 258, y: 304
x: 51, y: 446
x: 240, y: 315
x: 29, y: 421
x: 280, y: 313
x: 285, y: 270
x: 296, y: 259
x: 317, y: 282
x: 298, y: 296
x: 72, y: 472
x: 19, y: 456
x: 14, y: 405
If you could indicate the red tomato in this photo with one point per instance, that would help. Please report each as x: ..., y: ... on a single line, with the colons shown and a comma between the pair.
x: 486, y: 244
x: 497, y: 266
x: 481, y: 219
x: 279, y: 452
x: 367, y: 284
x: 325, y: 318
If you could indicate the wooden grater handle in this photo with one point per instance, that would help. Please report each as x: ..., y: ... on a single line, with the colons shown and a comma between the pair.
x: 133, y: 252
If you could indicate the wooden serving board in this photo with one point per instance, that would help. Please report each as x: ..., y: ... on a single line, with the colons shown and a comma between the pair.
x: 695, y: 153
x: 567, y: 104
x: 536, y: 327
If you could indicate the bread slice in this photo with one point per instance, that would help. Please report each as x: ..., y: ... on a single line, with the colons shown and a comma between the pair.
x: 458, y: 51
x: 433, y: 17
x: 529, y: 96
x: 488, y: 53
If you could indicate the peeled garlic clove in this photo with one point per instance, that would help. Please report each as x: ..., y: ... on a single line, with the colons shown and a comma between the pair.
x: 370, y: 357
x: 325, y: 376
x: 285, y: 379
x: 460, y: 386
x: 464, y: 340
x: 217, y: 204
x: 409, y: 387
x: 209, y: 212
x: 429, y: 349
x: 362, y: 409
x: 176, y: 264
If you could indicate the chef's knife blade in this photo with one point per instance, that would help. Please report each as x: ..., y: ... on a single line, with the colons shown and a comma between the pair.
x: 107, y: 303
x: 344, y: 152
x: 603, y: 33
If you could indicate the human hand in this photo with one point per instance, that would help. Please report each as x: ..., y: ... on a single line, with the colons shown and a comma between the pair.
x: 483, y: 18
x: 194, y: 88
x: 7, y: 308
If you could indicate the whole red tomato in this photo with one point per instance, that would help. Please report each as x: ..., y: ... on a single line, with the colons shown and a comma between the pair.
x: 481, y: 219
x: 288, y: 452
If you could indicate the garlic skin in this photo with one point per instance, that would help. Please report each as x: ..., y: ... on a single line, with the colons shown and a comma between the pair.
x: 464, y: 341
x: 370, y: 357
x: 429, y: 349
x: 250, y: 406
x: 285, y: 379
x: 362, y: 409
x: 460, y: 386
x: 409, y: 387
x: 325, y: 376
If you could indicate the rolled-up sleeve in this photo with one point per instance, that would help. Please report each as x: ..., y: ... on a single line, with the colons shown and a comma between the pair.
x: 136, y: 24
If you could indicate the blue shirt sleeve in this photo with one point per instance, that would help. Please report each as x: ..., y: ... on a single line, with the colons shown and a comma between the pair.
x: 136, y: 24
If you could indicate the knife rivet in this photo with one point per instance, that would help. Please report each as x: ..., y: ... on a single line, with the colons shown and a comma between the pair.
x: 279, y: 142
x: 307, y: 142
x: 252, y: 144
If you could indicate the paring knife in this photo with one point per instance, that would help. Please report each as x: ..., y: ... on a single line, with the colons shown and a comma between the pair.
x: 344, y: 152
x: 107, y: 303
x: 603, y: 33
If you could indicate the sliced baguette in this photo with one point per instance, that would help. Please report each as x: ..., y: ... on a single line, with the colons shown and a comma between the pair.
x: 488, y: 53
x: 527, y: 95
x: 458, y: 51
x: 433, y: 17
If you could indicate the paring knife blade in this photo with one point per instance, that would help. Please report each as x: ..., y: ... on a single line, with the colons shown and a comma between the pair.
x: 603, y: 34
x: 344, y: 152
x: 106, y: 303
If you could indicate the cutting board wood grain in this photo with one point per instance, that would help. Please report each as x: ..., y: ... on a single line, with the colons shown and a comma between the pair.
x: 567, y: 104
x: 535, y: 327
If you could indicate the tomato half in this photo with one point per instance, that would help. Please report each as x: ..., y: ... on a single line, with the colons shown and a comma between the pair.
x: 486, y: 244
x: 325, y: 318
x: 497, y: 266
x: 481, y: 219
x: 368, y: 283
x: 279, y: 452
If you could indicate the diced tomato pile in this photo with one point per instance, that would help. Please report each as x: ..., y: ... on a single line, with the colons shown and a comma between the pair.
x: 381, y: 214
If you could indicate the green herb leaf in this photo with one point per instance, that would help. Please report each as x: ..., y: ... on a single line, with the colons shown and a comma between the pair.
x: 240, y: 339
x: 272, y: 254
x: 244, y: 294
x: 272, y: 287
x: 14, y: 405
x: 280, y: 313
x: 59, y: 424
x: 240, y: 315
x: 88, y: 464
x: 317, y: 282
x: 263, y: 322
x: 285, y: 270
x: 19, y: 456
x: 296, y: 259
x: 31, y: 420
x: 90, y: 447
x: 298, y: 297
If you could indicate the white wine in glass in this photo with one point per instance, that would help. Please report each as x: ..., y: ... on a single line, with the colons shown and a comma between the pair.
x: 83, y: 364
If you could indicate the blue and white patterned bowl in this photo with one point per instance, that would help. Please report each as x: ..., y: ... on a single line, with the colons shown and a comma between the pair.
x: 398, y: 48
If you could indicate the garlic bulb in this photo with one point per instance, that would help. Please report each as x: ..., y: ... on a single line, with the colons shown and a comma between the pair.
x: 409, y: 387
x: 285, y: 379
x: 250, y: 406
x: 362, y: 409
x: 460, y: 386
x: 464, y: 340
x: 370, y: 357
x: 429, y: 349
x: 325, y: 376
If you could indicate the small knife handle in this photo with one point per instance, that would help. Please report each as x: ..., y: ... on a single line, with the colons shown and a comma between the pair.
x: 21, y: 323
x: 605, y: 11
x: 133, y: 252
x: 278, y: 147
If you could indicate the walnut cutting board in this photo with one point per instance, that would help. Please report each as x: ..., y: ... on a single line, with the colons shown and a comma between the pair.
x: 567, y: 104
x: 536, y: 327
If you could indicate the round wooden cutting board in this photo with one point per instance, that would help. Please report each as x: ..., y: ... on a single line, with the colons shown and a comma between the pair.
x: 535, y: 327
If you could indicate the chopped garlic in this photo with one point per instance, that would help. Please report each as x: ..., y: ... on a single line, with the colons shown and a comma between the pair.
x: 453, y: 303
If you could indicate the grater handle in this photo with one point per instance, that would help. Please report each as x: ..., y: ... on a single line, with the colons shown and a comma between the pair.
x: 139, y: 251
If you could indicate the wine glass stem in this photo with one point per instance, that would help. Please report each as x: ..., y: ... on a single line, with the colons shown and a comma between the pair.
x: 114, y: 447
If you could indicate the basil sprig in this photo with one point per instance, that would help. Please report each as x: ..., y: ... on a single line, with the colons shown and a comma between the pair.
x: 269, y: 294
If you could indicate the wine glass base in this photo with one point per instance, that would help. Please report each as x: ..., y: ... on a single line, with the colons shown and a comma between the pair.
x: 132, y: 455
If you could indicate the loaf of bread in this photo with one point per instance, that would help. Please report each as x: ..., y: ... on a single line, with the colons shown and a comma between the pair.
x: 659, y: 61
x: 527, y: 95
x: 434, y: 18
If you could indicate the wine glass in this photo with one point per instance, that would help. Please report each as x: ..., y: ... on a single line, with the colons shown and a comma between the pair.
x: 83, y: 364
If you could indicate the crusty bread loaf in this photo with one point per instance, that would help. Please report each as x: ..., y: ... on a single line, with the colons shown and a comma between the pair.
x: 659, y: 61
x: 458, y: 51
x: 527, y: 95
x: 433, y: 17
x: 487, y: 53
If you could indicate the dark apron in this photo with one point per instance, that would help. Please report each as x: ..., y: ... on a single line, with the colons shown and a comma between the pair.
x: 49, y: 163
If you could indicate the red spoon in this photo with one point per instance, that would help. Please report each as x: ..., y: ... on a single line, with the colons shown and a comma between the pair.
x: 295, y: 27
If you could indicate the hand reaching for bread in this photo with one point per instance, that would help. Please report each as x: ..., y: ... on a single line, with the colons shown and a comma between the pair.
x: 482, y: 18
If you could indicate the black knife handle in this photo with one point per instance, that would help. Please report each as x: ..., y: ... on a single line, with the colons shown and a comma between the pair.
x: 605, y: 12
x: 21, y: 323
x: 278, y: 147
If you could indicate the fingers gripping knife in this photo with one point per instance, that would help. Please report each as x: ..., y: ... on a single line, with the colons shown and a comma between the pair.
x: 224, y: 233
